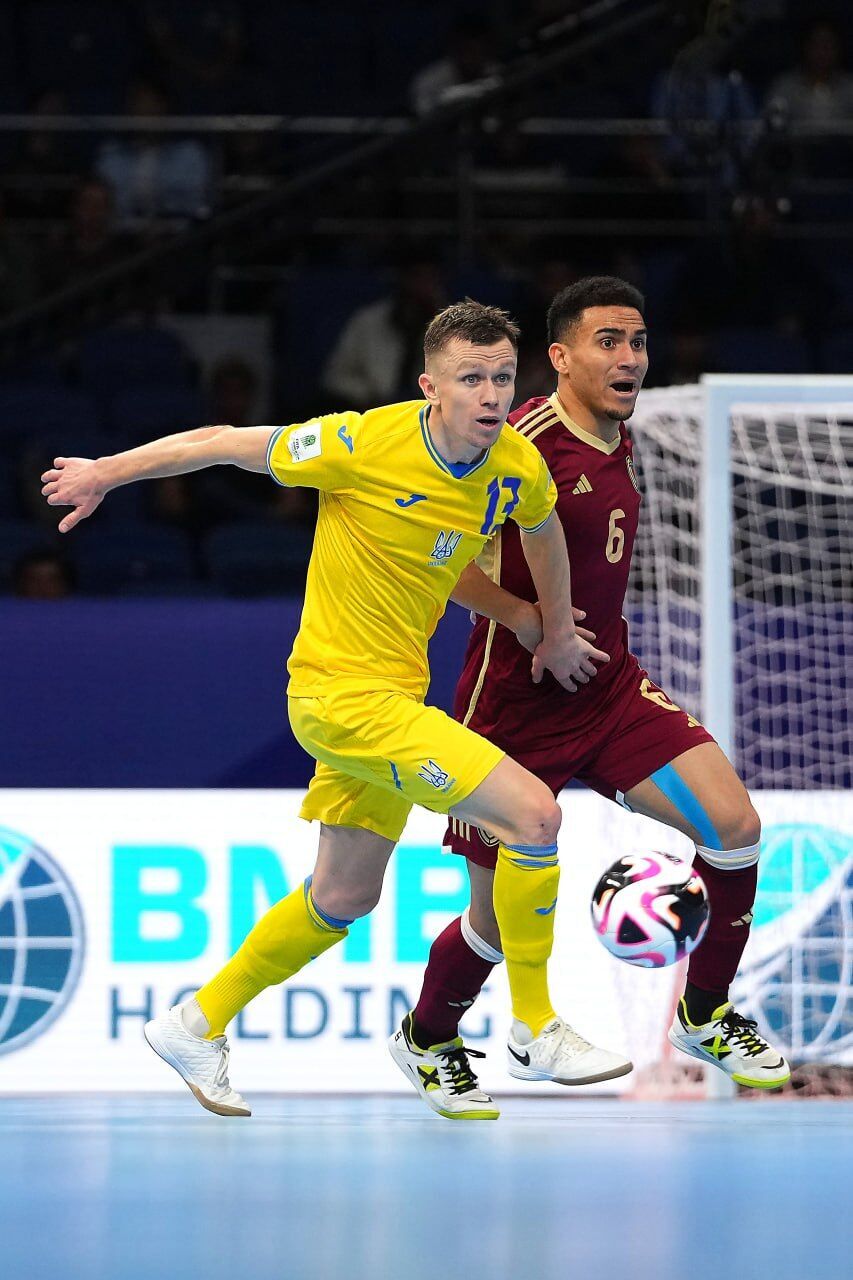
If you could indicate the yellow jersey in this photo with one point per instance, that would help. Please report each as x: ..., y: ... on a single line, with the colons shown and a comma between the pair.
x: 397, y: 525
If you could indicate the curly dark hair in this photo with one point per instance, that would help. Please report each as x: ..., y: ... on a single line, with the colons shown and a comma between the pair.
x: 592, y: 291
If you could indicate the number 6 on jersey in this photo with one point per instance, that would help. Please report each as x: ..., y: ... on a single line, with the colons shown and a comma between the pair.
x: 615, y: 537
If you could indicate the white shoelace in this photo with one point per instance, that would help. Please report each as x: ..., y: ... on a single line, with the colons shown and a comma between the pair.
x: 574, y: 1042
x: 220, y: 1075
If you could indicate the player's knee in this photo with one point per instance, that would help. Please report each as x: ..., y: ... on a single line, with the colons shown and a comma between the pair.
x: 743, y: 828
x: 345, y: 902
x: 737, y: 840
x: 538, y: 818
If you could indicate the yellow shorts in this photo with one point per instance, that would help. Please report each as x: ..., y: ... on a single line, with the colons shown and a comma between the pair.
x: 379, y: 753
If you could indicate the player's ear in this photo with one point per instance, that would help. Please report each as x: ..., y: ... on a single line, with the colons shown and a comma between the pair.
x: 428, y: 387
x: 558, y: 355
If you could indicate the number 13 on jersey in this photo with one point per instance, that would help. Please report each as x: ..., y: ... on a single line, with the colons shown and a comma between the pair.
x: 509, y: 485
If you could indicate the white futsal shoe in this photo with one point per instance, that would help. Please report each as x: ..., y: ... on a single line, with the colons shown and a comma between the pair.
x: 442, y: 1076
x: 731, y: 1042
x: 203, y: 1064
x: 558, y: 1053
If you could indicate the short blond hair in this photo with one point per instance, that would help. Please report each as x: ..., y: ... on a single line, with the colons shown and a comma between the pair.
x: 473, y: 321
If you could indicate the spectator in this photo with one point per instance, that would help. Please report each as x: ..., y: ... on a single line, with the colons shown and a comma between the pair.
x: 43, y: 575
x: 752, y: 278
x: 195, y: 503
x: 201, y: 52
x: 155, y: 175
x: 18, y: 279
x: 469, y: 60
x: 820, y: 92
x: 718, y: 98
x: 239, y: 494
x: 379, y: 354
x: 89, y: 242
x: 46, y: 166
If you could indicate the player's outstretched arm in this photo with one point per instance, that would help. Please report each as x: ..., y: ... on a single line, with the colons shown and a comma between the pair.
x: 478, y: 592
x: 565, y: 653
x: 82, y: 483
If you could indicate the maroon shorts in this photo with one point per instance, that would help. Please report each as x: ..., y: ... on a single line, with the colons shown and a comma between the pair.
x: 639, y: 731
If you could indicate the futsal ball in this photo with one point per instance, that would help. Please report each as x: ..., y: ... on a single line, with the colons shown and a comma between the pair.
x: 650, y: 909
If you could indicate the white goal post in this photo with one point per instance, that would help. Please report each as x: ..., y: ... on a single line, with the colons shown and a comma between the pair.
x: 741, y: 606
x: 722, y: 392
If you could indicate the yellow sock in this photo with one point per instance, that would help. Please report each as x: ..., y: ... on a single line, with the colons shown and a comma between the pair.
x: 525, y: 896
x: 286, y: 938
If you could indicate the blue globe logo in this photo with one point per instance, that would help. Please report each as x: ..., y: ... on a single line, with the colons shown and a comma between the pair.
x: 41, y: 941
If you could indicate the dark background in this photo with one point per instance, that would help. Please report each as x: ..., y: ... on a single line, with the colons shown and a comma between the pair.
x: 328, y: 175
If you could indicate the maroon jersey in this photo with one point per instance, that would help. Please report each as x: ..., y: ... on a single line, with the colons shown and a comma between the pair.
x: 598, y: 504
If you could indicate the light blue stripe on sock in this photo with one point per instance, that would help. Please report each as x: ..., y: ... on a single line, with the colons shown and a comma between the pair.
x: 676, y: 789
x: 331, y: 921
x: 534, y: 864
x: 533, y: 850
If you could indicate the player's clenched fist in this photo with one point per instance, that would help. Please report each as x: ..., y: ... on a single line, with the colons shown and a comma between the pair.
x: 72, y: 482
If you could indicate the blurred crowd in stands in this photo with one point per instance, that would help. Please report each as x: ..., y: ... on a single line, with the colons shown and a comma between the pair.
x: 347, y: 324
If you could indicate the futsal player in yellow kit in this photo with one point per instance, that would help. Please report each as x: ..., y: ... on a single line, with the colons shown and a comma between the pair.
x: 409, y: 494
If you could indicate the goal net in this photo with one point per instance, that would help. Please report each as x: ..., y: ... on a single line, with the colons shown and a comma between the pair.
x: 789, y: 536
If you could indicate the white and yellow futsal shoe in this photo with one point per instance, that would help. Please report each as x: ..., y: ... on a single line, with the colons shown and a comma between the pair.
x: 559, y: 1054
x: 442, y: 1076
x: 731, y: 1042
x: 203, y: 1064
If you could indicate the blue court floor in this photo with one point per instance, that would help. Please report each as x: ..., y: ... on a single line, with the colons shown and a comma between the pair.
x: 133, y: 1187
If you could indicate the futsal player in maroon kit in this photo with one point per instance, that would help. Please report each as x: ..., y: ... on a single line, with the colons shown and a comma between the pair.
x: 619, y: 733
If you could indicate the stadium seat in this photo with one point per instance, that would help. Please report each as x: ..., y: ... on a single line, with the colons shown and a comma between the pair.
x: 108, y: 559
x: 111, y: 360
x: 86, y: 49
x: 28, y: 413
x: 143, y: 413
x: 255, y: 559
x: 759, y: 351
x: 17, y: 538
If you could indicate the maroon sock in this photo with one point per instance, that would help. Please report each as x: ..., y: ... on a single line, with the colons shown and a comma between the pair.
x: 714, y: 963
x: 454, y: 978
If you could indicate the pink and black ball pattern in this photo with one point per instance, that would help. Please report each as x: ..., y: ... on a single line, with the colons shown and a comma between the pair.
x: 650, y: 909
